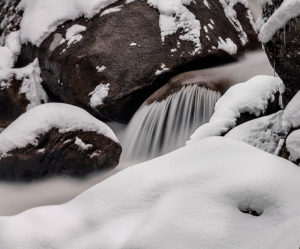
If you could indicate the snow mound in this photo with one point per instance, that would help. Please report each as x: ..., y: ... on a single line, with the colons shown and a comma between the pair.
x: 293, y: 145
x: 37, y: 121
x: 226, y: 195
x: 264, y: 133
x: 288, y: 10
x: 250, y: 97
x: 291, y: 116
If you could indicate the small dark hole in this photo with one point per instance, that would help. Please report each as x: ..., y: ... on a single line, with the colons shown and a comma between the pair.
x: 251, y: 211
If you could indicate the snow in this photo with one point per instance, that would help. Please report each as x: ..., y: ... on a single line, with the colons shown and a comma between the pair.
x: 74, y: 30
x: 31, y: 82
x: 73, y: 34
x: 171, y: 202
x: 10, y: 51
x: 163, y: 69
x: 41, y: 18
x: 228, y: 46
x: 132, y: 44
x: 291, y: 120
x: 29, y: 126
x: 112, y: 10
x: 98, y: 95
x: 291, y: 116
x: 82, y: 145
x: 231, y: 15
x: 101, y: 69
x: 7, y: 60
x: 250, y: 97
x: 174, y: 16
x: 288, y: 10
x: 31, y: 85
x: 293, y: 145
x: 264, y: 133
x: 206, y: 4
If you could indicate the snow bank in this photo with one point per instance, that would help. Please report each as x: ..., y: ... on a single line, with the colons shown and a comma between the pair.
x: 293, y: 145
x: 29, y: 126
x: 208, y: 201
x: 291, y: 117
x: 264, y: 133
x: 251, y: 97
x: 288, y: 10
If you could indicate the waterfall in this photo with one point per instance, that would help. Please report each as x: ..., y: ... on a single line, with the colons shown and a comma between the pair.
x: 161, y: 127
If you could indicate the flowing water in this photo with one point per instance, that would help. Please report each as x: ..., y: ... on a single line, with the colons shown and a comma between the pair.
x: 161, y: 127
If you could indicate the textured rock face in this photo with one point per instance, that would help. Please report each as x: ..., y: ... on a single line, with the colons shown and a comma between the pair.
x: 284, y: 52
x: 123, y: 52
x: 12, y: 104
x: 71, y: 153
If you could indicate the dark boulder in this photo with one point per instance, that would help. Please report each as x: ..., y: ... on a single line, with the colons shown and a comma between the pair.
x: 283, y: 51
x: 136, y: 62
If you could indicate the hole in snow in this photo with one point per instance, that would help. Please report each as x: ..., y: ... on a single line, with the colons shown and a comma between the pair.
x: 246, y: 209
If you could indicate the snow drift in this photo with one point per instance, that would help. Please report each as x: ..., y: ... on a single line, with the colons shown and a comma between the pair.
x: 226, y: 195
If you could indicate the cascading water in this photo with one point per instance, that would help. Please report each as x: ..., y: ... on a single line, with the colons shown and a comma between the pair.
x: 161, y: 127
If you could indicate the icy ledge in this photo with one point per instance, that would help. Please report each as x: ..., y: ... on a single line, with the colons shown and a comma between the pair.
x: 250, y: 97
x: 38, y: 120
x: 201, y: 196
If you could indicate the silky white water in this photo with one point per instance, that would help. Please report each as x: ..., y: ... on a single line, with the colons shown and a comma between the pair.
x: 161, y: 127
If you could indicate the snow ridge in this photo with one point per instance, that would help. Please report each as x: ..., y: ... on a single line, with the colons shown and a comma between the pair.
x: 288, y: 10
x: 251, y: 97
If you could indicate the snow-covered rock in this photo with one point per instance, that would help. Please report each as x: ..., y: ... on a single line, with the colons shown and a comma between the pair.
x: 226, y: 195
x: 293, y: 146
x: 20, y: 90
x: 265, y: 133
x: 55, y: 139
x: 289, y: 9
x: 151, y: 41
x: 252, y: 97
x: 292, y: 113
